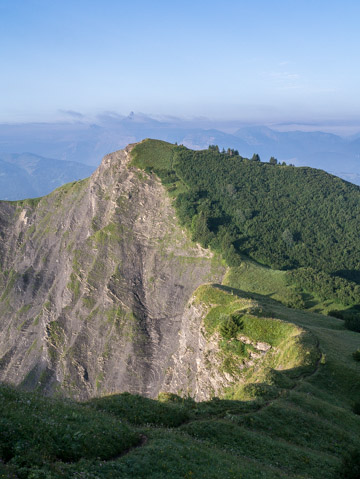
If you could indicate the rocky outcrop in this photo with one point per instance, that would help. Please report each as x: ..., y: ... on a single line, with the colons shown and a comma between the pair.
x: 95, y: 282
x: 196, y: 368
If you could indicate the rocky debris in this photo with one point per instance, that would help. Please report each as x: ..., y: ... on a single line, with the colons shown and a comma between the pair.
x: 264, y: 347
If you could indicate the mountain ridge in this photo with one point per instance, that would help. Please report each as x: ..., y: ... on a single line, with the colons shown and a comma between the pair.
x: 72, y: 269
x: 86, y: 142
x: 105, y: 292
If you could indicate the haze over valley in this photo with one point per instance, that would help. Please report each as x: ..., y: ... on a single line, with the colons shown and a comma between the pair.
x: 87, y: 142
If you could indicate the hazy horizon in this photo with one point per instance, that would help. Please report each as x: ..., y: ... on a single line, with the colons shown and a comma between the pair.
x: 253, y: 62
x: 344, y: 128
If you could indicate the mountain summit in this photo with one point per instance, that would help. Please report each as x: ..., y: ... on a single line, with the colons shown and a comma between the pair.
x: 95, y: 279
x: 157, y: 277
x: 100, y: 282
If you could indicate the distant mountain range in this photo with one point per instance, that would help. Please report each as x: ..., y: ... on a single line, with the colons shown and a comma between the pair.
x: 26, y: 175
x: 85, y: 142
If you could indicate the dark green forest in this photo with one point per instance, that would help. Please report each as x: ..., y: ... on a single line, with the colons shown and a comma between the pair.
x: 326, y: 285
x: 282, y: 216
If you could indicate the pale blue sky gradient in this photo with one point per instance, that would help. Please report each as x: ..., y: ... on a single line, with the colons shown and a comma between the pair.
x: 259, y: 60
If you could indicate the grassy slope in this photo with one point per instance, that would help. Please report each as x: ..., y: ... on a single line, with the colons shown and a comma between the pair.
x: 256, y: 278
x: 292, y: 418
x: 297, y: 423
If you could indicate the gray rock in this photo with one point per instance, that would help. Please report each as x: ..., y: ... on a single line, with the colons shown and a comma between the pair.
x: 95, y: 282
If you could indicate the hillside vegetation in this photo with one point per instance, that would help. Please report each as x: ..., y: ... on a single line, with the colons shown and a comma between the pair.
x: 290, y: 417
x: 281, y: 216
x: 283, y: 380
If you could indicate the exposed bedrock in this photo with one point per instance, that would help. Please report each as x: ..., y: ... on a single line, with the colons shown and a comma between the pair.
x: 95, y: 285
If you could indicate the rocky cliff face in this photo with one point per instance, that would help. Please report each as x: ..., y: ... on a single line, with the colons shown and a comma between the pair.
x: 95, y: 280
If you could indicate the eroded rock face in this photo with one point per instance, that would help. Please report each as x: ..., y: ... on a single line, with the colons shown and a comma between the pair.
x: 95, y: 281
x: 195, y: 369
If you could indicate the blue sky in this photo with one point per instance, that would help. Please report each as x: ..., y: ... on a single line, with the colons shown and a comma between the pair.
x: 257, y: 60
